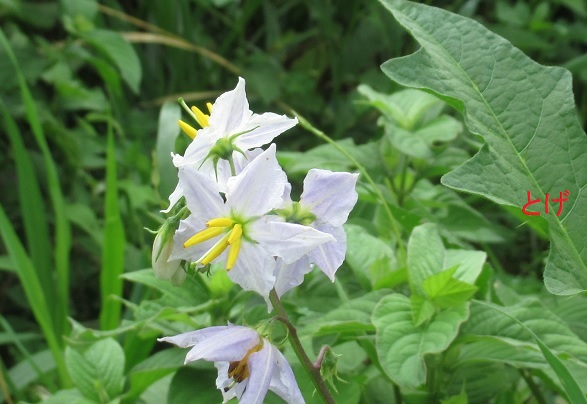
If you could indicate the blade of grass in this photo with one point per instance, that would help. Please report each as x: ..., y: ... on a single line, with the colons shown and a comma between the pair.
x: 113, y: 245
x: 32, y: 211
x: 34, y: 292
x: 62, y: 226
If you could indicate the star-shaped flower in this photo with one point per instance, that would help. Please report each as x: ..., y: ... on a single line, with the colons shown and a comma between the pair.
x: 248, y: 364
x: 325, y: 204
x: 239, y: 228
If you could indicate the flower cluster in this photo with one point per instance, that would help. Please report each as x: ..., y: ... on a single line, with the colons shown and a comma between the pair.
x: 232, y: 206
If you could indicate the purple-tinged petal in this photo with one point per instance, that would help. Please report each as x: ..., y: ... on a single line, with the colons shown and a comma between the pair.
x: 225, y: 332
x: 261, y: 367
x: 284, y: 383
x: 330, y: 256
x: 227, y: 344
x: 289, y: 276
x: 258, y: 188
x: 224, y: 171
x: 330, y: 195
x: 254, y: 269
x: 230, y: 110
x: 289, y: 241
x: 266, y: 127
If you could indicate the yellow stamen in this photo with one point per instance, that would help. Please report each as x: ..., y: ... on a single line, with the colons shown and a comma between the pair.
x: 188, y: 129
x: 201, y: 117
x: 209, y: 105
x: 235, y: 234
x: 204, y: 235
x: 220, y: 222
x: 216, y: 250
x: 233, y: 253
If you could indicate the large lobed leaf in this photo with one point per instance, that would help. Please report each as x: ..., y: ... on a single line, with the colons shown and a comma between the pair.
x: 526, y: 114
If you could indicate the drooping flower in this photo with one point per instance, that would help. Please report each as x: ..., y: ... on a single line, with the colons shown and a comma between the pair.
x: 325, y: 204
x: 227, y: 137
x: 238, y: 231
x: 248, y: 364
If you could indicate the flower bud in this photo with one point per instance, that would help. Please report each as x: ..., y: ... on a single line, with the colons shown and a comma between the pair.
x: 165, y: 269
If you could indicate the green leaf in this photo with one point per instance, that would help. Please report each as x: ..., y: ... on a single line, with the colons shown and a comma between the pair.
x: 152, y: 369
x: 401, y: 346
x: 514, y: 335
x: 189, y: 383
x: 371, y: 258
x: 351, y: 317
x: 446, y: 291
x: 86, y: 8
x: 422, y: 309
x: 98, y: 370
x: 425, y: 256
x: 119, y: 51
x: 524, y: 111
x: 70, y: 396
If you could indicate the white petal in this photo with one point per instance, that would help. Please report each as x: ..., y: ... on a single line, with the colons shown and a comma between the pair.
x: 174, y: 197
x: 201, y: 194
x: 284, y: 383
x: 259, y: 187
x: 198, y: 149
x: 261, y: 369
x: 267, y: 127
x: 330, y: 195
x: 223, y: 381
x: 254, y: 269
x: 224, y: 343
x: 289, y: 241
x: 289, y: 276
x: 224, y: 171
x: 230, y: 110
x: 329, y: 256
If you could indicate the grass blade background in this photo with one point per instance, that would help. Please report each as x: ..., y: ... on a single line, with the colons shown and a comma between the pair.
x: 113, y: 245
x: 34, y: 293
x: 62, y: 226
x: 494, y: 84
x: 32, y: 212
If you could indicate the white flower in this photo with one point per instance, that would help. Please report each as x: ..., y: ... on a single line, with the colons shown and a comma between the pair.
x: 239, y: 227
x: 248, y: 365
x: 325, y: 205
x: 231, y: 130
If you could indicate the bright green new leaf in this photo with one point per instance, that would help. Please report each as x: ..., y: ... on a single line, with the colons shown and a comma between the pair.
x: 422, y: 309
x: 527, y: 116
x: 425, y: 256
x: 98, y: 370
x: 401, y: 346
x: 447, y: 291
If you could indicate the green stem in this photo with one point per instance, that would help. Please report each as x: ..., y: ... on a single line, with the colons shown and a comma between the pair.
x: 395, y: 227
x: 533, y: 387
x: 232, y: 168
x: 312, y: 370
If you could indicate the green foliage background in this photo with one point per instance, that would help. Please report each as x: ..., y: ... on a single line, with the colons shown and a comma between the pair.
x: 88, y: 118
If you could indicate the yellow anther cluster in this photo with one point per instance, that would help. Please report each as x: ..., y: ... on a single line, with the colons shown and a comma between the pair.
x: 201, y: 118
x: 232, y: 238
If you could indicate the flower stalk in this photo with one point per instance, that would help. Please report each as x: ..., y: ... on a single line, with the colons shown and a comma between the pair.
x: 312, y: 369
